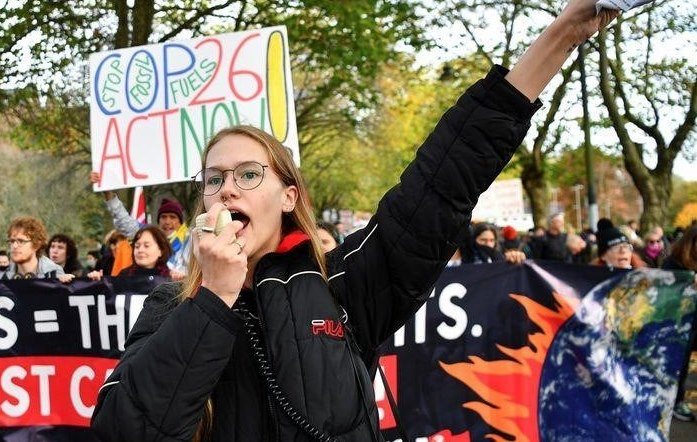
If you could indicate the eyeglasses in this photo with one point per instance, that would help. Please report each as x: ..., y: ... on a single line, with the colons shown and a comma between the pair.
x: 624, y: 247
x: 17, y: 241
x: 247, y: 176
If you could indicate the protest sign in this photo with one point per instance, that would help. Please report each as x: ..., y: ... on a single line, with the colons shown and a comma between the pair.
x: 154, y: 107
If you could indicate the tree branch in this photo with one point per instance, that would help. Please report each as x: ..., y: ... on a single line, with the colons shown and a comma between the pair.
x: 200, y: 13
x: 632, y: 159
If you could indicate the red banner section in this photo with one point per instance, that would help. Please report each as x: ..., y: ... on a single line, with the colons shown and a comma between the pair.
x: 389, y: 366
x: 50, y: 390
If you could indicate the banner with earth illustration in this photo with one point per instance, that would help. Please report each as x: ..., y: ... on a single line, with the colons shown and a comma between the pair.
x: 541, y: 352
x: 536, y: 352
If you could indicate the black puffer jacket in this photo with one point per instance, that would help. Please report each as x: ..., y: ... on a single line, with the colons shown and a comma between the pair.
x: 179, y: 355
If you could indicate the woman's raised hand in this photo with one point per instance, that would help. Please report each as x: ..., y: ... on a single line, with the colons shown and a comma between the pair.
x: 543, y: 59
x: 222, y: 257
x: 583, y: 20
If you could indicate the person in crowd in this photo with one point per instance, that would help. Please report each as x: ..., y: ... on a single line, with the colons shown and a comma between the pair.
x: 553, y: 245
x: 328, y: 235
x: 26, y: 238
x: 683, y: 256
x: 341, y: 229
x: 4, y: 260
x: 509, y: 239
x: 253, y: 345
x: 579, y: 252
x: 654, y: 251
x: 91, y: 260
x: 170, y: 219
x: 481, y: 247
x: 62, y: 250
x: 150, y: 252
x: 677, y: 234
x: 607, y: 224
x: 614, y: 249
x: 118, y: 254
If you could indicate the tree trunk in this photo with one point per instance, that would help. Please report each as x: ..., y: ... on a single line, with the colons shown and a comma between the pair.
x: 142, y: 17
x: 656, y: 198
x: 535, y: 186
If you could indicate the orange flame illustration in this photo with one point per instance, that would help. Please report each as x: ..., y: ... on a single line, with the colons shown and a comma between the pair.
x: 509, y: 388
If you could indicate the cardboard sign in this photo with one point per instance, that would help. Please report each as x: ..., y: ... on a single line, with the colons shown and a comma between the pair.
x: 153, y: 108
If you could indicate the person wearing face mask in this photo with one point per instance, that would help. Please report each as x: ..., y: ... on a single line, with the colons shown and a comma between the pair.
x: 91, y: 261
x: 4, y: 260
x: 271, y: 339
x: 654, y: 250
x: 482, y: 247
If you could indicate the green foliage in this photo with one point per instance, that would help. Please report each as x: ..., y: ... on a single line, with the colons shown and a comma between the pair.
x: 684, y: 193
x: 337, y: 50
x: 355, y: 168
x: 53, y: 190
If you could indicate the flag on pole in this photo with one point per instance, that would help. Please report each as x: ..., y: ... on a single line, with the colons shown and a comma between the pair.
x: 138, y: 209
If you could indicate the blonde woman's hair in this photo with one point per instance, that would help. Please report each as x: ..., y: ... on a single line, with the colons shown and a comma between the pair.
x: 281, y: 162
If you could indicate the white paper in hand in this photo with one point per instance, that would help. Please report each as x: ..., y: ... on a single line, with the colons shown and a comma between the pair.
x: 623, y: 5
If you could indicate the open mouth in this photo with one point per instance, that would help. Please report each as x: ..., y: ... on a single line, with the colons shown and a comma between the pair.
x: 239, y: 216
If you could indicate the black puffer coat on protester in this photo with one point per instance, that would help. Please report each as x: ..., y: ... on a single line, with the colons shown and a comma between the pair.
x: 179, y: 355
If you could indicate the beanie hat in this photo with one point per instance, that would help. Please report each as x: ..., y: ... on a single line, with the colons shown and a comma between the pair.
x: 604, y: 224
x: 608, y: 238
x: 171, y: 206
x: 509, y: 233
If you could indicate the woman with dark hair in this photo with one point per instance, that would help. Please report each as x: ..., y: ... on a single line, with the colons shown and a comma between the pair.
x: 151, y: 250
x: 683, y: 256
x: 62, y: 250
x: 481, y: 247
x: 269, y: 338
x: 328, y: 235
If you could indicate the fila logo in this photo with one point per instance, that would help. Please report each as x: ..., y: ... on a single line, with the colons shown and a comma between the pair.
x: 328, y: 327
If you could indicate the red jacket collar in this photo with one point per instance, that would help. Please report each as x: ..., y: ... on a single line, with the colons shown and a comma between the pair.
x: 291, y: 240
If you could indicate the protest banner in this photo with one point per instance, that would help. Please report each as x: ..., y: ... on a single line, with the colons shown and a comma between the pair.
x: 58, y: 344
x: 154, y: 107
x: 541, y: 352
x: 498, y: 352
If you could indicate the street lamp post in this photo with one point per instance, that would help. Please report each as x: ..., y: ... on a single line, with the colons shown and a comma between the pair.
x: 577, y: 190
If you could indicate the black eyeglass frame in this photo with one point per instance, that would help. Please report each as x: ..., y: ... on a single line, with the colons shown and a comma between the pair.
x: 18, y: 241
x: 199, y: 185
